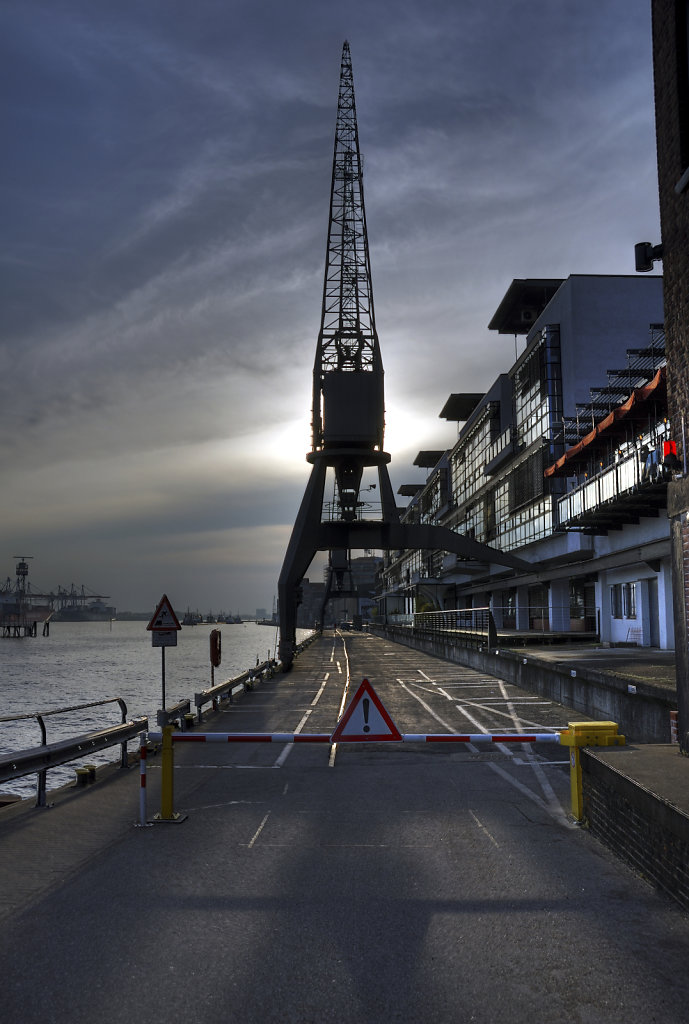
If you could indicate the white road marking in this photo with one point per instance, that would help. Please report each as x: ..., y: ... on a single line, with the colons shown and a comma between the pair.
x: 333, y: 748
x: 259, y: 830
x: 555, y: 812
x: 287, y: 750
x: 484, y: 829
x: 427, y: 707
x: 318, y: 695
x: 548, y: 791
x: 227, y: 803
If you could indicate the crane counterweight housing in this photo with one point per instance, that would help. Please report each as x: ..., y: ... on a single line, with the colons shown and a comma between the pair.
x: 352, y: 409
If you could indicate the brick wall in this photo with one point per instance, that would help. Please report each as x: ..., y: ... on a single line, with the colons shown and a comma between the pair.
x: 671, y: 80
x: 670, y: 75
x: 648, y: 834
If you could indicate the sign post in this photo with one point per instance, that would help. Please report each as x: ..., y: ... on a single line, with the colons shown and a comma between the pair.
x: 164, y: 627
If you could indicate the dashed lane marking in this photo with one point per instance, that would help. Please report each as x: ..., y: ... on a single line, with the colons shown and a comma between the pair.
x: 484, y: 829
x: 259, y: 830
x: 318, y: 695
x: 287, y: 750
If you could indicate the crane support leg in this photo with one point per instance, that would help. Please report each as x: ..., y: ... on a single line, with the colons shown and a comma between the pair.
x: 302, y: 547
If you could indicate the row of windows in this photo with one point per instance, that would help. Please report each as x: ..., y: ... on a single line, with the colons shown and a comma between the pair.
x: 468, y: 461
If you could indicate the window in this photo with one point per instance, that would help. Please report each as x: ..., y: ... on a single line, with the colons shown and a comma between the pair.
x: 629, y: 600
x: 623, y: 601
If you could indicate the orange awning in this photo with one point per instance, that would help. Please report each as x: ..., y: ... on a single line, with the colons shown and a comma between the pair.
x: 655, y: 389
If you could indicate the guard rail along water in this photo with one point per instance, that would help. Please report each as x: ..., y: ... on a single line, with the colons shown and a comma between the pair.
x: 51, y: 755
x: 243, y: 682
x: 176, y: 713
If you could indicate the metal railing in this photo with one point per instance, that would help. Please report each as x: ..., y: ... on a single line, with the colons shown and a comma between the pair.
x: 470, y: 627
x: 225, y: 690
x: 51, y: 755
x: 264, y: 670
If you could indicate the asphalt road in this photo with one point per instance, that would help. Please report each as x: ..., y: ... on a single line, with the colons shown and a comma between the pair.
x: 375, y: 882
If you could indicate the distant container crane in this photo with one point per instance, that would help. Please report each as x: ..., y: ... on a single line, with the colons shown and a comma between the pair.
x: 22, y: 607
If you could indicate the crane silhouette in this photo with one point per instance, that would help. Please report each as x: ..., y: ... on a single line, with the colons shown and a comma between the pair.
x: 348, y: 408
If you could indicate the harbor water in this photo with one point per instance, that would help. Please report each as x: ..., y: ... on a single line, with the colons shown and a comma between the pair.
x: 82, y: 662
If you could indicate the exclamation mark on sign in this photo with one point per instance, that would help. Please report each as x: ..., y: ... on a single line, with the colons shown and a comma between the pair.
x: 366, y: 703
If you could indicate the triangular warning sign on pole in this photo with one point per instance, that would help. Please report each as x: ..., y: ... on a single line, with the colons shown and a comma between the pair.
x: 164, y: 616
x: 364, y: 719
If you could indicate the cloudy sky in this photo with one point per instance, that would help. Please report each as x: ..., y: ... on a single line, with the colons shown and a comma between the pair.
x: 165, y: 186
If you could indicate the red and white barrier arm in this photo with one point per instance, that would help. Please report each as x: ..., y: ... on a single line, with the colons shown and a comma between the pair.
x: 250, y: 737
x: 480, y: 737
x: 409, y: 737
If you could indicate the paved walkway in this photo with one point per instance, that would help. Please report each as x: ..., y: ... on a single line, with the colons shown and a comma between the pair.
x: 637, y: 664
x: 374, y: 892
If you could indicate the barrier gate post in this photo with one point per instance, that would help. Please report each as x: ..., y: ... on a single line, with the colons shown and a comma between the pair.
x: 167, y: 771
x: 585, y: 734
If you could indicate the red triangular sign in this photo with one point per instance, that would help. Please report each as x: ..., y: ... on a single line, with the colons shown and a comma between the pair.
x: 364, y: 719
x: 164, y: 616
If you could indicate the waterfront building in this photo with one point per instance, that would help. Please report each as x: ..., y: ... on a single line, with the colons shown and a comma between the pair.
x: 565, y: 461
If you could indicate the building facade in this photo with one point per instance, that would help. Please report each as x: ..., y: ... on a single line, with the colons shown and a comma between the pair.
x: 565, y: 461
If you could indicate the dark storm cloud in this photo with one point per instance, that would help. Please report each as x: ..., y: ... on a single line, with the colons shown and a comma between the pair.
x: 164, y: 193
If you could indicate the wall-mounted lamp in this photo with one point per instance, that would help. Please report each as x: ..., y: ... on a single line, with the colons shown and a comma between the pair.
x: 645, y: 255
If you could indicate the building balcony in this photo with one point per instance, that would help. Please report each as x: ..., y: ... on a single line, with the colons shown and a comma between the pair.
x: 622, y: 493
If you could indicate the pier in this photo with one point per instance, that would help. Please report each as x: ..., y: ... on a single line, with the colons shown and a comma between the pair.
x: 361, y: 882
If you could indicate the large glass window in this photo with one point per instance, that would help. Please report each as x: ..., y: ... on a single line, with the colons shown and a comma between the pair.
x: 629, y: 600
x: 623, y: 601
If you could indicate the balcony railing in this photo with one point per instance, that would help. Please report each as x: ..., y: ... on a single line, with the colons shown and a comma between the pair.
x: 623, y: 478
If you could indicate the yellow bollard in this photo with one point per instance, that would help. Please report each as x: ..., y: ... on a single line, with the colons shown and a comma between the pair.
x: 585, y: 734
x: 167, y: 771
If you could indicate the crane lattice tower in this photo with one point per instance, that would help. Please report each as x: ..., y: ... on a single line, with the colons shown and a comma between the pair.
x: 348, y: 400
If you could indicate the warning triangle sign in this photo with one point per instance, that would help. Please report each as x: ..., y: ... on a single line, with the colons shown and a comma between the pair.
x: 364, y: 719
x: 164, y: 617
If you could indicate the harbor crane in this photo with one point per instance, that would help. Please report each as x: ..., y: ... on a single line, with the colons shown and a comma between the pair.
x: 348, y: 403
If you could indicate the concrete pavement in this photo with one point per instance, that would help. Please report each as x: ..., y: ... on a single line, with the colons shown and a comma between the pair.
x: 403, y: 884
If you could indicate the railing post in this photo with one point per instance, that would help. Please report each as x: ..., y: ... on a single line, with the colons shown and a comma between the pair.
x: 41, y: 777
x: 143, y: 751
x: 492, y: 631
x: 123, y: 746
